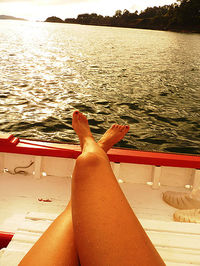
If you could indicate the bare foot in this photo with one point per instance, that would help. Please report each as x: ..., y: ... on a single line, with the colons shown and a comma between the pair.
x: 187, y: 216
x: 181, y: 200
x: 113, y: 135
x: 81, y: 127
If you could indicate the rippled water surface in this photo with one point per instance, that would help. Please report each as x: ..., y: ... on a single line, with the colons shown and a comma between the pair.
x: 148, y: 79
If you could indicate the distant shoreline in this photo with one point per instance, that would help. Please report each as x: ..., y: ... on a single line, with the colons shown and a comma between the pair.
x: 11, y: 18
x: 183, y: 16
x: 147, y: 27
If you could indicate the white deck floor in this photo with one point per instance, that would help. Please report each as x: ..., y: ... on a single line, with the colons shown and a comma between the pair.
x: 177, y: 243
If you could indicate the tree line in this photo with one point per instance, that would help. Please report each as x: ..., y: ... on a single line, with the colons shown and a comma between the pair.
x: 184, y: 15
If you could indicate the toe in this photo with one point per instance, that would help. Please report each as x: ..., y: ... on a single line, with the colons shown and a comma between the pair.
x: 75, y: 113
x: 127, y: 128
x: 114, y: 126
x: 123, y: 129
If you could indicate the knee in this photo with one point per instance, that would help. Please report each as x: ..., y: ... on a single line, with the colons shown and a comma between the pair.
x: 90, y: 159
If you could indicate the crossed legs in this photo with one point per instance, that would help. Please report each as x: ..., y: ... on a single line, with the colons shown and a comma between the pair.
x: 98, y: 227
x: 106, y: 230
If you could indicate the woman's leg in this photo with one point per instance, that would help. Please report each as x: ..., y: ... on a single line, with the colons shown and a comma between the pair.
x: 105, y: 228
x: 56, y: 246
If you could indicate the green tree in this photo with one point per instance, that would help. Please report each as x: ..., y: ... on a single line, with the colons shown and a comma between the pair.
x: 189, y: 12
x: 54, y: 19
x: 118, y: 14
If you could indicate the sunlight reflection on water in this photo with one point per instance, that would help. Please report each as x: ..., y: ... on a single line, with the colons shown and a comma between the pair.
x: 149, y: 79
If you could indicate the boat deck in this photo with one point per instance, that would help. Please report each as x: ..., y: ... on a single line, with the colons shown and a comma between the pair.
x: 24, y: 213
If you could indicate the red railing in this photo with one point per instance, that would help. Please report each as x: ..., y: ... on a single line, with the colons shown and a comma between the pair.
x: 10, y: 144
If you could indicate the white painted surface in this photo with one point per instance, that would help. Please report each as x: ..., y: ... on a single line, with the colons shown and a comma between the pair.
x: 135, y: 173
x: 156, y: 175
x: 176, y: 176
x: 196, y: 180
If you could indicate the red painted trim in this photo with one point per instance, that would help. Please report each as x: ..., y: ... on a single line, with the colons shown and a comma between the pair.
x: 40, y: 148
x: 5, y: 238
x: 155, y: 158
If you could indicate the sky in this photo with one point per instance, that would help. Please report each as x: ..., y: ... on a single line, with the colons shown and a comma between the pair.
x: 41, y: 9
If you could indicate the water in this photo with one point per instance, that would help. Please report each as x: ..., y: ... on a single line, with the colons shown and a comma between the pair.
x: 148, y: 79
